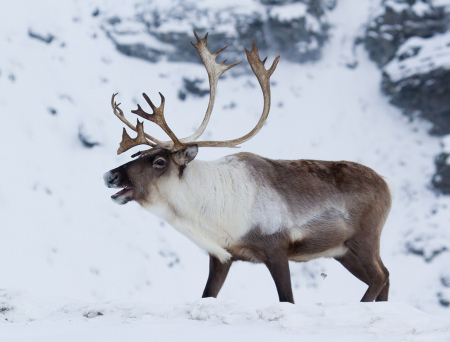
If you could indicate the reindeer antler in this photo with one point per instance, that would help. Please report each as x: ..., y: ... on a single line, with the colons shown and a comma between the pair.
x: 215, y: 70
x: 263, y: 77
x: 158, y: 118
x: 127, y: 142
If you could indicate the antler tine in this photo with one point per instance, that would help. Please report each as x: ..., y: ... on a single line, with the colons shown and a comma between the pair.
x: 257, y: 66
x: 119, y: 113
x: 263, y: 77
x: 127, y: 142
x: 158, y: 118
x: 215, y: 70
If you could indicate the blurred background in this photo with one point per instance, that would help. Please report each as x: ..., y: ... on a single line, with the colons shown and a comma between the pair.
x: 365, y: 81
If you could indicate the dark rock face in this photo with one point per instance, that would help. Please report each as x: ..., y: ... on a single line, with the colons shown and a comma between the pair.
x: 426, y: 94
x: 139, y: 51
x: 297, y: 29
x: 295, y: 41
x: 399, y: 21
x: 418, y: 80
x: 441, y: 179
x: 420, y: 252
x: 192, y: 87
x: 409, y: 40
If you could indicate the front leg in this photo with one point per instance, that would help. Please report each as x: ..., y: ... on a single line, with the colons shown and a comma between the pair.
x: 278, y: 266
x: 217, y: 274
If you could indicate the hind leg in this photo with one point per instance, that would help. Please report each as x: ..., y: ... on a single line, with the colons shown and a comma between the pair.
x: 370, y: 270
x: 377, y: 281
x: 383, y: 295
x: 351, y: 262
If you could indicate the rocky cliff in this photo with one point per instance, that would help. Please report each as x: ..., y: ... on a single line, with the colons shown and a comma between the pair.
x: 410, y: 42
x: 296, y: 29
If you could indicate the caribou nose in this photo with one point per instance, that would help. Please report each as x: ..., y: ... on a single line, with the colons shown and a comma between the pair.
x: 112, y: 179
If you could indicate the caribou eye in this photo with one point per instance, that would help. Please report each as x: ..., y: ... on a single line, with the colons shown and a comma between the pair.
x: 159, y: 163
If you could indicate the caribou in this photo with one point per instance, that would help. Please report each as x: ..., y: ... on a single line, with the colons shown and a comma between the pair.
x: 250, y: 208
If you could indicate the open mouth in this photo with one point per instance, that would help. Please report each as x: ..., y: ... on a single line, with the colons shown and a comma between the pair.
x: 121, y: 197
x: 121, y: 192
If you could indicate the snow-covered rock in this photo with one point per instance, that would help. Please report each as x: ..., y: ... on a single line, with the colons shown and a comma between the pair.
x: 398, y: 20
x: 410, y: 42
x: 419, y: 56
x: 418, y: 80
x: 162, y: 30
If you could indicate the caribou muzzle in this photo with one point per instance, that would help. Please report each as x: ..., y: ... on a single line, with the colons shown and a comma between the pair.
x: 117, y: 178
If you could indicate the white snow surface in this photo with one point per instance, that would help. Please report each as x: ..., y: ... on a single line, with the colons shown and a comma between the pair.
x: 221, y: 320
x: 67, y: 252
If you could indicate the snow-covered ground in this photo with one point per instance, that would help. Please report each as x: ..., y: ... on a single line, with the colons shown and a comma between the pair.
x: 67, y: 252
x: 212, y: 319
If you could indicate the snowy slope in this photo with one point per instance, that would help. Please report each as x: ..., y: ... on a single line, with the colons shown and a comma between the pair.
x: 66, y: 249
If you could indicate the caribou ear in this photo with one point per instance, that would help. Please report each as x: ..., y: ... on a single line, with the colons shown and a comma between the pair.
x: 186, y: 155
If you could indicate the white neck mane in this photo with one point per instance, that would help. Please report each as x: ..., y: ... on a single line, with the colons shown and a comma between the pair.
x: 211, y: 203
